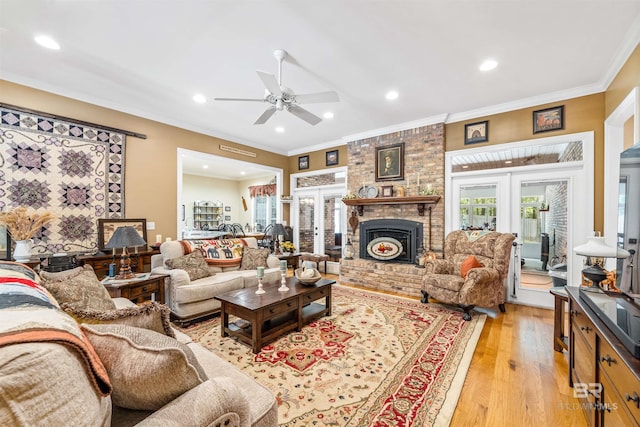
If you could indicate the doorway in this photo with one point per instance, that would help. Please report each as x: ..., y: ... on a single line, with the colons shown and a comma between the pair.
x: 507, y: 194
x: 318, y: 214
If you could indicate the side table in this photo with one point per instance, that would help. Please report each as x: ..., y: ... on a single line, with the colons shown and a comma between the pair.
x: 292, y: 259
x: 560, y: 340
x: 139, y: 290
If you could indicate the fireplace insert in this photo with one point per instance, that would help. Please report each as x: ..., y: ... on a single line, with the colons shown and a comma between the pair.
x: 390, y: 240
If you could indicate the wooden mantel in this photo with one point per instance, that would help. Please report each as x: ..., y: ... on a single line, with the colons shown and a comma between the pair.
x: 420, y: 201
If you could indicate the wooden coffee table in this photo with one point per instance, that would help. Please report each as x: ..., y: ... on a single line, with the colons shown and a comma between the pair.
x: 271, y: 315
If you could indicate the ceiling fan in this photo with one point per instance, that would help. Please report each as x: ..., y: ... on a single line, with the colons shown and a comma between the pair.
x: 283, y: 98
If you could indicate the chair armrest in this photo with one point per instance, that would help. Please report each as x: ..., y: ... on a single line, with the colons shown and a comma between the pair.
x: 156, y: 261
x: 438, y: 266
x: 481, y: 275
x: 214, y: 401
x: 178, y: 277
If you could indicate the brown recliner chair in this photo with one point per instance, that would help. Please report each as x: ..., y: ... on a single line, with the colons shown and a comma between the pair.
x: 482, y: 286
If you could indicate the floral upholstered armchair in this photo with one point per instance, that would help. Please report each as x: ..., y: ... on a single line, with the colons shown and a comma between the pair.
x: 472, y: 272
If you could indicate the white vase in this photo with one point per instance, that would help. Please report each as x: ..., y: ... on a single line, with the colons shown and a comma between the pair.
x: 22, y: 252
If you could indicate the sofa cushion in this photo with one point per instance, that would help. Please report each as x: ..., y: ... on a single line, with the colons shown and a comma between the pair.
x: 254, y: 258
x: 78, y: 288
x: 152, y: 316
x: 147, y: 369
x: 193, y: 263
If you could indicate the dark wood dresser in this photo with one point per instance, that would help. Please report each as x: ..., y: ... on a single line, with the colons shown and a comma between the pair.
x: 604, y: 374
x: 140, y: 262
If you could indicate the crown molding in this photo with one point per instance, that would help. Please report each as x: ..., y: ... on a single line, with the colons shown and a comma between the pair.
x: 526, y: 102
x: 631, y: 41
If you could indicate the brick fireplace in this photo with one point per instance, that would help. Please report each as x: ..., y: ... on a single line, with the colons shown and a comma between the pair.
x: 424, y: 157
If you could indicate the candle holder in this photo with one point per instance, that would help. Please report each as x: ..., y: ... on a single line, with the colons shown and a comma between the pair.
x: 283, y: 282
x: 260, y: 289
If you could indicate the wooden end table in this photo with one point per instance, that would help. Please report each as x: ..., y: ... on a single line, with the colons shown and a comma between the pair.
x: 292, y: 259
x: 139, y: 291
x: 271, y: 315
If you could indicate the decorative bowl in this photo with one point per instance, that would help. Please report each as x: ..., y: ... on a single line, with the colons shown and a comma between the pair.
x: 307, y: 280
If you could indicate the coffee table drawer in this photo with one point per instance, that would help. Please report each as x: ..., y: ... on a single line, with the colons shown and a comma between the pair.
x: 283, y: 307
x: 315, y: 295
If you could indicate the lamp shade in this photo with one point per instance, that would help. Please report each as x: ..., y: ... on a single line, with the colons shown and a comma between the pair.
x: 125, y: 237
x: 595, y: 247
x: 278, y: 230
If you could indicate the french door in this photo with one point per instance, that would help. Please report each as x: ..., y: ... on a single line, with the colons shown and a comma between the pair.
x: 319, y: 216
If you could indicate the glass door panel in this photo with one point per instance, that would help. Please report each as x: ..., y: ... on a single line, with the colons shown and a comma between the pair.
x: 306, y: 223
x: 333, y: 223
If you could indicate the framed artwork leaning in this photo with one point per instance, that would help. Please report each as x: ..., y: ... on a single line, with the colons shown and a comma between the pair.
x: 108, y: 226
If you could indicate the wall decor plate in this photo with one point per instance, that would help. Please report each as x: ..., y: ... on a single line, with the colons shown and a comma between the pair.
x: 384, y: 248
x: 368, y: 192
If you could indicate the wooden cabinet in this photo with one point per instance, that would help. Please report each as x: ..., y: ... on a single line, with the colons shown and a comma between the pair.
x: 604, y: 374
x: 207, y: 215
x: 140, y: 291
x: 140, y: 262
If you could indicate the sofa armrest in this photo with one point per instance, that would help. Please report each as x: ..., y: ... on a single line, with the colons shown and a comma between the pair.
x: 215, y: 400
x: 438, y: 266
x: 273, y: 261
x: 157, y: 261
x: 178, y: 276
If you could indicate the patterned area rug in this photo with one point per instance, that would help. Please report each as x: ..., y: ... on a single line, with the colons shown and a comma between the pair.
x: 377, y: 361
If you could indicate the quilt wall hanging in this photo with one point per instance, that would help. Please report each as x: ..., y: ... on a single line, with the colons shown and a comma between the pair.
x: 72, y: 170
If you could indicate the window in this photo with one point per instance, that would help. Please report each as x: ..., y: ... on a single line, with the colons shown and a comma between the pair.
x: 264, y: 211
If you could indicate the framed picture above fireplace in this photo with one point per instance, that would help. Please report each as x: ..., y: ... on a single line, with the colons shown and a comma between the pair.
x: 390, y: 163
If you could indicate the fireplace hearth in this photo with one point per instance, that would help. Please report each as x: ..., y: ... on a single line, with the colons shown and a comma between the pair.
x: 390, y: 240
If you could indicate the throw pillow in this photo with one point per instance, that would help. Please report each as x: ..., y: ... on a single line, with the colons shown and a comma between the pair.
x: 147, y: 369
x: 254, y: 258
x: 78, y: 288
x: 193, y: 263
x: 153, y: 316
x: 468, y: 264
x: 223, y: 252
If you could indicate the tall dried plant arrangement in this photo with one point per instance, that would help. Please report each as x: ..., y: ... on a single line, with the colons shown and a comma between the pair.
x: 23, y: 224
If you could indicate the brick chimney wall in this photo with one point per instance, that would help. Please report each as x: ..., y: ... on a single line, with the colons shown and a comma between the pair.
x: 423, y: 155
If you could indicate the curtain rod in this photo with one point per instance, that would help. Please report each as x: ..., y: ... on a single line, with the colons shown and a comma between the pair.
x: 67, y: 119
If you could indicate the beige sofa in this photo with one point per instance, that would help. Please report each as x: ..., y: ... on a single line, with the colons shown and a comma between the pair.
x: 46, y: 379
x: 192, y: 299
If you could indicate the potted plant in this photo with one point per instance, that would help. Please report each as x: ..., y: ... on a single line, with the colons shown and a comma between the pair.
x: 22, y: 224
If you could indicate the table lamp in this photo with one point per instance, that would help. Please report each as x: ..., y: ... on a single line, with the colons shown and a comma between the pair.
x: 596, y: 251
x: 125, y: 237
x: 277, y: 233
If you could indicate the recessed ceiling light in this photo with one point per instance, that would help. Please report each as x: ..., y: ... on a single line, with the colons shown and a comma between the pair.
x: 328, y: 115
x: 199, y: 98
x: 392, y: 94
x: 279, y: 129
x: 488, y: 65
x: 47, y: 42
x: 205, y: 166
x: 243, y: 173
x: 508, y: 162
x: 465, y: 166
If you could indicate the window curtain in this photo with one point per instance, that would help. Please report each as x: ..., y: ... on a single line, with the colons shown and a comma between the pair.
x: 262, y: 190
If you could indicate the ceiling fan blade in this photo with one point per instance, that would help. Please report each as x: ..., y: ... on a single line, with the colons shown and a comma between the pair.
x: 238, y: 99
x: 265, y: 116
x: 304, y: 115
x: 270, y: 82
x: 310, y: 98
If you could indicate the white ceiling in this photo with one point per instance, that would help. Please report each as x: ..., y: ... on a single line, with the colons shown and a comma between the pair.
x: 149, y: 58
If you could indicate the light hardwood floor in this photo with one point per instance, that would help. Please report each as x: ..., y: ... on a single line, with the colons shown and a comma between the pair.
x: 515, y: 377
